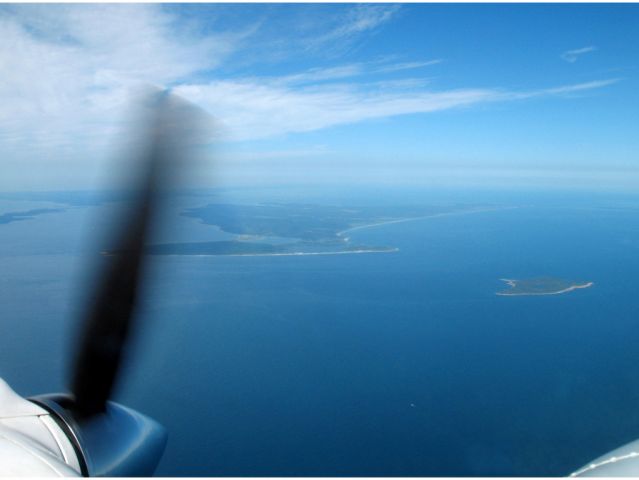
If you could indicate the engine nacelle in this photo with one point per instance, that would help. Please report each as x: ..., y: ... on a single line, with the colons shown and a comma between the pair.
x: 117, y: 443
x: 42, y: 436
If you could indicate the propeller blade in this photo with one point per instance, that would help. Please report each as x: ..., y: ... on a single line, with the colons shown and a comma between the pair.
x: 110, y: 439
x: 111, y: 313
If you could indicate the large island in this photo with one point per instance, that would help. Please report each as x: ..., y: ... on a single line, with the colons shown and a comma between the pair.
x: 295, y: 229
x: 541, y: 286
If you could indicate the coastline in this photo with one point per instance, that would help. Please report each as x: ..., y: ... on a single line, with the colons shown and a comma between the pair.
x: 410, y: 219
x: 296, y: 254
x: 339, y: 234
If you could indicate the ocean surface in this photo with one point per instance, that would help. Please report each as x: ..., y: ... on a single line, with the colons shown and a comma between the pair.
x: 402, y: 363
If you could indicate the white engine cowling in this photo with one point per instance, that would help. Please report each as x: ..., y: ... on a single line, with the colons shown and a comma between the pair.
x: 31, y: 441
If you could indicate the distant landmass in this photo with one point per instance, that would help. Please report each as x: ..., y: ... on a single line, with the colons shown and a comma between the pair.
x: 295, y: 229
x: 71, y: 198
x: 26, y: 215
x: 542, y: 286
x: 304, y: 221
x: 235, y: 247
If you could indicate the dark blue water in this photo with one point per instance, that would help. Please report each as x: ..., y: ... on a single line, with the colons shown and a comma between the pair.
x: 370, y: 364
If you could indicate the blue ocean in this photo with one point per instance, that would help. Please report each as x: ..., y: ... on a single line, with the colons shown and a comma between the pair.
x: 393, y: 363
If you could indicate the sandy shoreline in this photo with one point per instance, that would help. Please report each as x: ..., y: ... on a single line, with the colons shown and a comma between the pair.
x: 291, y: 254
x: 410, y: 219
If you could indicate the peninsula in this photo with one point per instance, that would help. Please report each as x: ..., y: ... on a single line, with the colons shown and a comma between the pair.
x: 296, y: 229
x: 541, y: 286
x: 238, y: 248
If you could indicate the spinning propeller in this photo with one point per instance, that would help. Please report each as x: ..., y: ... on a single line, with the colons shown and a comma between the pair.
x: 110, y: 439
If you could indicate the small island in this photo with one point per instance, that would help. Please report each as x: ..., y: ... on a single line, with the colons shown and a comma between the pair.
x: 541, y: 286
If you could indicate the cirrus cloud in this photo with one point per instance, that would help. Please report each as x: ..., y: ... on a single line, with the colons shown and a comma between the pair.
x: 571, y: 56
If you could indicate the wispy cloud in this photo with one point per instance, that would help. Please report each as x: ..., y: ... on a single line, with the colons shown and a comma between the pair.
x: 315, y: 75
x: 252, y: 109
x: 572, y: 56
x: 579, y: 87
x: 397, y: 67
x: 358, y: 20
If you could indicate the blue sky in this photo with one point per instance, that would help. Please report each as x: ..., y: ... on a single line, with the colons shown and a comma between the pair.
x: 326, y: 93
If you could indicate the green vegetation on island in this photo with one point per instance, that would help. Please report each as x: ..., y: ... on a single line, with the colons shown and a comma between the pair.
x: 542, y: 286
x: 293, y: 229
x: 303, y: 221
